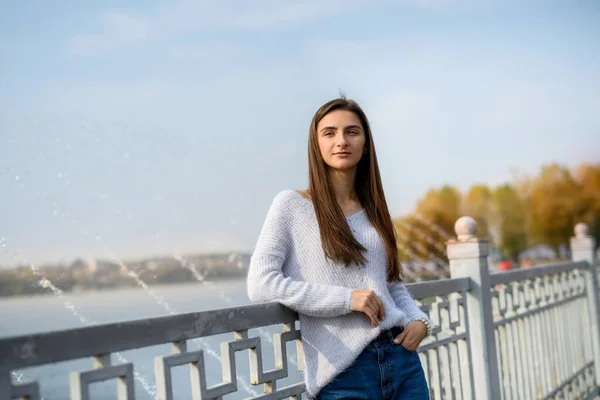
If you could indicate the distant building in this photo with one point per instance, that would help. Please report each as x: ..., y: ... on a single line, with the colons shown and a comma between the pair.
x: 539, y: 252
x: 92, y: 265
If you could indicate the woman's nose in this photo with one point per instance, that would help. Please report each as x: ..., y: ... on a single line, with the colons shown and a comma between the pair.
x: 342, y: 142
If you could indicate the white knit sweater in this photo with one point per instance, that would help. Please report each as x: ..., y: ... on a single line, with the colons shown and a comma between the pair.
x: 289, y: 266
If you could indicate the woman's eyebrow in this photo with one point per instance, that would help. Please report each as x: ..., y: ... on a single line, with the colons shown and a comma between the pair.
x: 334, y: 128
x: 353, y: 126
x: 327, y: 128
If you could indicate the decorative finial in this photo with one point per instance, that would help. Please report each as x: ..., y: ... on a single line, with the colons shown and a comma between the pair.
x: 465, y: 228
x: 581, y: 230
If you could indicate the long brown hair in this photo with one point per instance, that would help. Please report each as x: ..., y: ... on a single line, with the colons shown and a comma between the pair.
x: 338, y: 242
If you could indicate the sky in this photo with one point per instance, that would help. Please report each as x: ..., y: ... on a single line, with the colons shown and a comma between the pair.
x: 143, y: 128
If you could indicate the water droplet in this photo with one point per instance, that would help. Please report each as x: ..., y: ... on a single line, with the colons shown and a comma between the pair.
x: 126, y: 154
x: 59, y: 175
x: 98, y: 238
x: 55, y: 212
x: 17, y: 178
x: 2, y: 241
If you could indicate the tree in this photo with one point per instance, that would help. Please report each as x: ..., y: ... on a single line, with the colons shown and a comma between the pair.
x: 441, y: 207
x: 538, y: 210
x: 423, y: 234
x: 508, y: 216
x: 478, y: 205
x: 554, y: 205
x: 588, y: 177
x: 406, y: 234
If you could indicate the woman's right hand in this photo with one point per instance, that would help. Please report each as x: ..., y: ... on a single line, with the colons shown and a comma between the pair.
x: 366, y: 301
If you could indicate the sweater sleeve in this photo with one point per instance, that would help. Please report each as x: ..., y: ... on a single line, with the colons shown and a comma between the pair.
x: 266, y: 281
x: 404, y: 301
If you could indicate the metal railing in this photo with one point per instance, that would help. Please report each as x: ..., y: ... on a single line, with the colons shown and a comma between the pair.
x: 524, y: 334
x: 543, y: 340
x: 103, y: 341
x: 445, y: 355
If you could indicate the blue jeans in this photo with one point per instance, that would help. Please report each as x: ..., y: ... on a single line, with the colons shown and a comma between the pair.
x: 383, y: 371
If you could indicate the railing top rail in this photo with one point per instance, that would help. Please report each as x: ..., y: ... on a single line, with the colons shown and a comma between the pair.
x: 499, y: 278
x: 441, y: 287
x: 57, y: 346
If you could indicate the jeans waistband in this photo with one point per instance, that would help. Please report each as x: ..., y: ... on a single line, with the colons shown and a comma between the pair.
x: 389, y: 334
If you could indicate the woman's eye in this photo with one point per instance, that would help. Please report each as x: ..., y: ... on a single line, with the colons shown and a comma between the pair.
x: 353, y: 132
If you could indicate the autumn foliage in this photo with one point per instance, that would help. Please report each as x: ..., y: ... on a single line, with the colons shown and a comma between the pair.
x: 530, y: 211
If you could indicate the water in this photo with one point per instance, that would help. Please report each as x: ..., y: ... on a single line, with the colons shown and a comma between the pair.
x: 78, y: 310
x: 25, y: 315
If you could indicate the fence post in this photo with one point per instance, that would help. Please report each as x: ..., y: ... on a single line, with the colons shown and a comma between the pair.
x: 468, y: 258
x: 583, y: 247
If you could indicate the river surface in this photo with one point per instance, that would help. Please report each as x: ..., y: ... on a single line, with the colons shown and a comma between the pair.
x: 25, y: 315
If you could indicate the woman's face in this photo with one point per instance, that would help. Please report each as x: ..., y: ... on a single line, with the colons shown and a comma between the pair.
x: 341, y: 139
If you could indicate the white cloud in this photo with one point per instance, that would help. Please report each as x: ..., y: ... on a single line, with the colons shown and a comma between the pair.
x: 122, y: 30
x: 261, y: 14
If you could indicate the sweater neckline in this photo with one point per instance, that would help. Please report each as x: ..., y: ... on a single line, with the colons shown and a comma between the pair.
x: 355, y: 213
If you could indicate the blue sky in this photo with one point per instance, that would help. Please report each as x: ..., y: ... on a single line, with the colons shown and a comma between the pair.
x: 144, y: 127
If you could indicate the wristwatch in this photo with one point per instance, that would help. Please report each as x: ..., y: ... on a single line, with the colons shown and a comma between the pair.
x: 427, y: 324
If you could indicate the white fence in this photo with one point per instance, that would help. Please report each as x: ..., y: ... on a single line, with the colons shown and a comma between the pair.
x: 525, y: 334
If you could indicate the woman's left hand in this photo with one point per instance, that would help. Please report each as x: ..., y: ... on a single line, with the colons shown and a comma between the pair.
x: 412, y: 335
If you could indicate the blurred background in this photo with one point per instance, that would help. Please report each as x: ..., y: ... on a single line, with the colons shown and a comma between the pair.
x: 142, y: 131
x: 141, y: 143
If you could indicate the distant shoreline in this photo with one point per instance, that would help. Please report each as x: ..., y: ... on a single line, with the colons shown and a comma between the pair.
x: 82, y: 276
x: 153, y: 285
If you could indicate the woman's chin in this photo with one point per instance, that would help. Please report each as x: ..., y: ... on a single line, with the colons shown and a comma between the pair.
x: 343, y: 166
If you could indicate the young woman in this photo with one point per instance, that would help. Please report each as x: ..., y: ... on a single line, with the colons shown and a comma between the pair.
x: 330, y: 254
